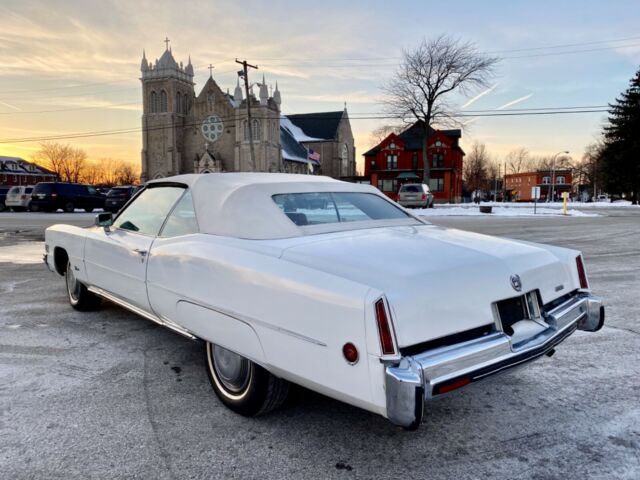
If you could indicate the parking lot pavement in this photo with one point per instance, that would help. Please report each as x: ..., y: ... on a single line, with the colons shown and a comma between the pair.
x: 109, y: 395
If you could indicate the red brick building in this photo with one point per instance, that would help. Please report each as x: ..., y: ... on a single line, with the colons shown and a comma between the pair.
x: 16, y: 171
x: 398, y: 159
x: 518, y: 185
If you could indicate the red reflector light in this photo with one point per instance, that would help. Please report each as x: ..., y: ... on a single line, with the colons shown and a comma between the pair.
x: 447, y: 387
x: 54, y: 195
x: 384, y: 329
x: 582, y: 275
x: 350, y: 352
x: 424, y: 196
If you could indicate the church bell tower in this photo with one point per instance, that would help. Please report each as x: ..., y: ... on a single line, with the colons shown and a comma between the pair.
x: 167, y: 98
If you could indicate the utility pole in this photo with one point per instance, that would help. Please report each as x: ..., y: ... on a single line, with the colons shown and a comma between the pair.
x: 245, y: 74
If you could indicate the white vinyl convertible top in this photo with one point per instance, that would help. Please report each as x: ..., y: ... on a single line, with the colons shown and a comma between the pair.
x: 241, y: 205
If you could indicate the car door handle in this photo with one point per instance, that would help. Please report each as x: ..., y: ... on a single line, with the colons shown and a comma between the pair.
x: 142, y: 253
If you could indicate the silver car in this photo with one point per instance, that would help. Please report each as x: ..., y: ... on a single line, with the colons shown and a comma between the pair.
x: 415, y: 195
x: 19, y: 197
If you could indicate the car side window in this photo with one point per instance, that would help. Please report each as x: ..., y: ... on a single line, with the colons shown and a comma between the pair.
x: 92, y: 191
x: 182, y: 220
x: 148, y: 211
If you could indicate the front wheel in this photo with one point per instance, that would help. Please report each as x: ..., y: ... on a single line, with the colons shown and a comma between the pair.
x: 69, y: 207
x: 79, y: 296
x: 243, y: 386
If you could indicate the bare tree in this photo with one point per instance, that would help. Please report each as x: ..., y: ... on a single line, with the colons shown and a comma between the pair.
x: 518, y: 160
x: 588, y: 171
x: 417, y: 91
x: 67, y: 162
x: 476, y: 170
x: 128, y: 174
x: 383, y: 132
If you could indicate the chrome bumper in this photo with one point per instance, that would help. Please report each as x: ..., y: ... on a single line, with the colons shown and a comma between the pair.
x: 425, y: 375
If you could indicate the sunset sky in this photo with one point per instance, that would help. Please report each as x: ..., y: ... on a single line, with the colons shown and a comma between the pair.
x: 72, y: 67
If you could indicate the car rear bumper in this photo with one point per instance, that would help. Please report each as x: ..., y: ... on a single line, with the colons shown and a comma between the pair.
x: 420, y: 377
x: 414, y: 203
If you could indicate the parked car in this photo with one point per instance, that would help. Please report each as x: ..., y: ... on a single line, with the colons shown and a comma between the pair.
x: 19, y: 198
x: 415, y: 195
x: 49, y: 197
x: 359, y: 300
x: 118, y: 197
x: 603, y: 198
x: 3, y: 197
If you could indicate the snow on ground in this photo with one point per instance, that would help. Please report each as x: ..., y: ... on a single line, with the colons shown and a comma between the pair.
x: 554, y: 205
x: 498, y: 211
x: 22, y: 253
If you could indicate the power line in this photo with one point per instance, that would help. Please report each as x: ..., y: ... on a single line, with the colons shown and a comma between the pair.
x: 73, y: 109
x: 351, y: 117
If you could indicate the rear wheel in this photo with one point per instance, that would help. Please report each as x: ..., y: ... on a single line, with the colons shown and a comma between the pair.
x: 69, y: 207
x: 243, y: 386
x: 79, y: 297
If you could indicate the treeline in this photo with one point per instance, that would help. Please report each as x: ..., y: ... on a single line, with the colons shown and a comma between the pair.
x: 73, y: 165
x: 480, y: 169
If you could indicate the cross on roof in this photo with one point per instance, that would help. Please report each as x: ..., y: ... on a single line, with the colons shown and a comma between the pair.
x: 166, y: 40
x: 211, y: 67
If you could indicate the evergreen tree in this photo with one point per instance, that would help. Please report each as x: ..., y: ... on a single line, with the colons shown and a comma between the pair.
x: 620, y: 158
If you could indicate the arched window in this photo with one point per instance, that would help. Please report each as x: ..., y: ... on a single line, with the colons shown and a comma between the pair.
x: 178, y: 103
x: 255, y: 127
x: 163, y: 101
x: 154, y: 102
x: 245, y: 129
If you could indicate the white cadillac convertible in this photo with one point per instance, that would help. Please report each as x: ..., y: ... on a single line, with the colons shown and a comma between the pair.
x: 326, y: 284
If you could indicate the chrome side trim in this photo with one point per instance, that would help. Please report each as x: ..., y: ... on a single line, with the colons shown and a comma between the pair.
x: 140, y: 311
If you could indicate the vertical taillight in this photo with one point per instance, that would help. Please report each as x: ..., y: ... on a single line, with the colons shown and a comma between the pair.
x: 582, y: 274
x: 384, y: 329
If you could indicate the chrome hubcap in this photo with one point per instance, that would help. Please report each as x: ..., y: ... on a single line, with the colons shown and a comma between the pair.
x: 232, y: 370
x: 73, y: 286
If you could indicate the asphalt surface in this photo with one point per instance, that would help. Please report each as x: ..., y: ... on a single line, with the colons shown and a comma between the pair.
x: 110, y: 395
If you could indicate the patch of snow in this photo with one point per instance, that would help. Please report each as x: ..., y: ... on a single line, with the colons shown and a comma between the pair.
x: 22, y: 253
x: 440, y: 211
x: 550, y: 205
x: 296, y: 132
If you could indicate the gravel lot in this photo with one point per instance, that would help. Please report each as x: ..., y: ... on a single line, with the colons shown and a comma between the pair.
x: 109, y: 395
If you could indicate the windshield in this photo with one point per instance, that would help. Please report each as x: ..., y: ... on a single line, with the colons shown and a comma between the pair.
x: 321, y: 208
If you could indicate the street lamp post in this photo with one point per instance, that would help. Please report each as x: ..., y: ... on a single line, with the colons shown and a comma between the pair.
x: 553, y: 173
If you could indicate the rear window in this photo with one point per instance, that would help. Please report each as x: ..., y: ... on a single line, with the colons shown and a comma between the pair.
x: 14, y: 190
x: 44, y: 188
x: 411, y: 188
x: 322, y: 207
x: 119, y: 191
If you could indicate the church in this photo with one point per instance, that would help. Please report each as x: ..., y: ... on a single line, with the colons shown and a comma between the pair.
x: 187, y: 133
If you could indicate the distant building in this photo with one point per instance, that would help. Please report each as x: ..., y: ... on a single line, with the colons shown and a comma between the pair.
x: 518, y: 185
x: 398, y: 159
x: 328, y: 135
x: 185, y: 132
x: 16, y: 171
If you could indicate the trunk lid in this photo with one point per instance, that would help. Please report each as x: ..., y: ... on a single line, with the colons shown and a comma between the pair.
x: 438, y: 281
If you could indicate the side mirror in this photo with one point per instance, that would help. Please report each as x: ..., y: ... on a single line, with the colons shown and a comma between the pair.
x: 104, y: 220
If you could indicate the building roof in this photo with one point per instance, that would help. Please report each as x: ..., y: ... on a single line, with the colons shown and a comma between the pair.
x: 413, y: 136
x: 23, y: 166
x: 292, y: 150
x: 320, y: 125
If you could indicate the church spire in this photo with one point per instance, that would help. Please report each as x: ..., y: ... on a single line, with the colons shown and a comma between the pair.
x: 276, y: 95
x: 237, y: 93
x: 264, y: 92
x: 144, y: 65
x: 189, y: 68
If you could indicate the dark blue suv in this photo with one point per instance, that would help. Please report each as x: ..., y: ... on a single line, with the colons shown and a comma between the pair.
x: 49, y: 197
